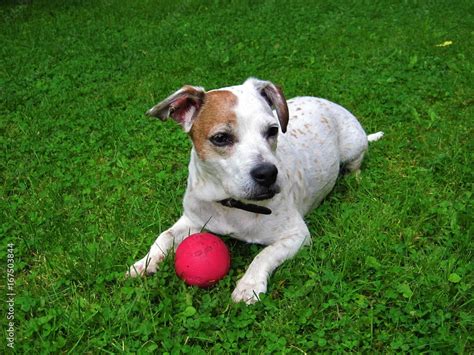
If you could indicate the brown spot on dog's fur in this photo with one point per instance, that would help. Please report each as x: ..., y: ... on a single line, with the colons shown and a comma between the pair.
x: 218, y: 109
x: 300, y: 131
x: 325, y: 121
x: 299, y: 175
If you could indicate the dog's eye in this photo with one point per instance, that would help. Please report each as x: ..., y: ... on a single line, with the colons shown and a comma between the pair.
x: 272, y: 132
x: 222, y: 139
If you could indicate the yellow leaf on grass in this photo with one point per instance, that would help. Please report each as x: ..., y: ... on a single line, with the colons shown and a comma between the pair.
x: 445, y: 44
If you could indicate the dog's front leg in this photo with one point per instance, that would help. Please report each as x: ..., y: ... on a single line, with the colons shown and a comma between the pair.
x: 256, y: 277
x: 165, y: 241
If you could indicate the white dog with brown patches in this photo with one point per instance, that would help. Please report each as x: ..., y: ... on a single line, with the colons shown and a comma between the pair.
x: 247, y: 180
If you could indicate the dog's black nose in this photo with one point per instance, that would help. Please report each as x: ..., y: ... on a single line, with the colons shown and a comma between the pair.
x: 265, y: 174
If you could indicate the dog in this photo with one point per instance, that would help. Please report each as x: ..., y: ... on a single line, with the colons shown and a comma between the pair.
x: 258, y: 165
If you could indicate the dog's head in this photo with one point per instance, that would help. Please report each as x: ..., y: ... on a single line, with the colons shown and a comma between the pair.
x: 234, y: 133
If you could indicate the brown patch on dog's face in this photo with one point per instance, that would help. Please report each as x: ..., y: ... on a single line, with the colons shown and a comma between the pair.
x: 217, y: 116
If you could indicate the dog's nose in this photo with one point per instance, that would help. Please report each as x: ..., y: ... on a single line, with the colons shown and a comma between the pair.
x: 265, y: 174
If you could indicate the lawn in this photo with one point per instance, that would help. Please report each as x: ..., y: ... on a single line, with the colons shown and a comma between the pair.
x: 88, y: 181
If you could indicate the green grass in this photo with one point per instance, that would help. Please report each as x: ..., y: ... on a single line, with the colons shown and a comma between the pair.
x: 87, y: 180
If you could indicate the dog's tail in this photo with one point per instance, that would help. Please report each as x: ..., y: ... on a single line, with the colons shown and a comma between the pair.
x: 375, y: 136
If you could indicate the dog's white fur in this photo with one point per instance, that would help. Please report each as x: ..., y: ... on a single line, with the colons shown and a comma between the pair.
x: 321, y: 138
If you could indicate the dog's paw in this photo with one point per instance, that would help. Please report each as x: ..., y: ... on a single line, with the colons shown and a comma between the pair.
x: 145, y: 266
x: 247, y: 290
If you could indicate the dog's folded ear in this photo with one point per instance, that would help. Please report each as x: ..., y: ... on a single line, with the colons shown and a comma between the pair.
x: 275, y: 98
x: 182, y: 106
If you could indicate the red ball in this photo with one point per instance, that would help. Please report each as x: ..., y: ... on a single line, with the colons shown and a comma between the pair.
x: 202, y: 259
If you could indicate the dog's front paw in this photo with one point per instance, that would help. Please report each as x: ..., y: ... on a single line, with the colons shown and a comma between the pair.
x: 247, y: 290
x: 145, y: 266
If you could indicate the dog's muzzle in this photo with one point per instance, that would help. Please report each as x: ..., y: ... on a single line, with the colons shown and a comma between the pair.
x: 264, y: 176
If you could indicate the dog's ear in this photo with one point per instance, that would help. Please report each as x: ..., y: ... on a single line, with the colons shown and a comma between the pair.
x: 182, y: 106
x: 275, y: 98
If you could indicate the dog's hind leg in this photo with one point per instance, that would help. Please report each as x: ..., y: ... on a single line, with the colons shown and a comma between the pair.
x: 354, y: 164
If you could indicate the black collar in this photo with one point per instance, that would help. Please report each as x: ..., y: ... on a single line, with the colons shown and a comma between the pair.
x: 230, y: 202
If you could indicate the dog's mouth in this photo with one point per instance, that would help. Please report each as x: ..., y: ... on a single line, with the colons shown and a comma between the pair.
x: 262, y: 197
x: 262, y: 194
x: 251, y: 207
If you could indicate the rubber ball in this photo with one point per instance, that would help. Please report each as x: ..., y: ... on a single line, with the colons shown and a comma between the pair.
x: 202, y: 259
